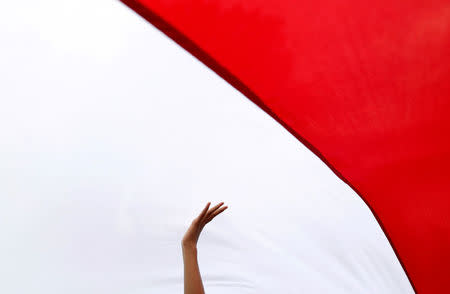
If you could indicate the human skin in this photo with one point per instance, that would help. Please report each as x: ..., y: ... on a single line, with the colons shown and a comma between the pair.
x: 192, y: 278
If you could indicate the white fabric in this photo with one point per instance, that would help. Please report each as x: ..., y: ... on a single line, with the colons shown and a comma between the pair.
x: 113, y: 138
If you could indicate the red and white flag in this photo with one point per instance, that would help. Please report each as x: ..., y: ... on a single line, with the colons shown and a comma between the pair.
x: 112, y: 137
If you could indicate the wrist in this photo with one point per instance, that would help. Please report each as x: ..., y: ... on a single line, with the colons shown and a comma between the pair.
x: 188, y: 246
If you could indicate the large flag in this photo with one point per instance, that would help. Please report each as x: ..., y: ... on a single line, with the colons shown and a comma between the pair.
x: 365, y: 86
x: 112, y: 137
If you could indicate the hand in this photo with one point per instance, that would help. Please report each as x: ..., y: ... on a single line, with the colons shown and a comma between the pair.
x: 193, y: 233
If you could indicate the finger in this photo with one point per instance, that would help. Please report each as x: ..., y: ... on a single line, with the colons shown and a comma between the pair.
x: 216, y: 213
x: 204, y: 211
x: 212, y: 210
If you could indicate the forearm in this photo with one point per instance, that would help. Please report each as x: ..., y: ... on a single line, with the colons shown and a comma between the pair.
x: 192, y: 278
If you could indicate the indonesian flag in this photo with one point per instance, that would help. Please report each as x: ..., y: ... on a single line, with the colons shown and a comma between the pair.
x: 113, y: 137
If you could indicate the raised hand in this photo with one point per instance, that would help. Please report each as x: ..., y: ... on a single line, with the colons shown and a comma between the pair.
x: 208, y: 214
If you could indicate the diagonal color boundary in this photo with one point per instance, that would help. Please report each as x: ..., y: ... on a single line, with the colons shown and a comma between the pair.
x: 206, y: 59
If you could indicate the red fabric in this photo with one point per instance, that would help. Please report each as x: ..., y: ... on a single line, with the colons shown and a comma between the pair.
x: 364, y: 84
